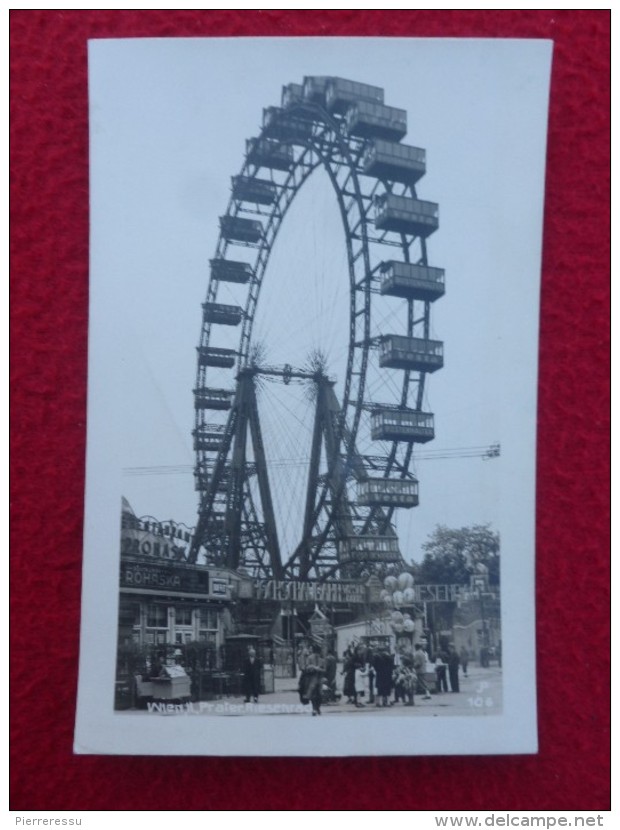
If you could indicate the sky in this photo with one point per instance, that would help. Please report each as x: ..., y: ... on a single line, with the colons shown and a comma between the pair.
x: 169, y: 119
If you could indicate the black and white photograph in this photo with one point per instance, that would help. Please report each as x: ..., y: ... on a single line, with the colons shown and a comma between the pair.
x: 313, y: 343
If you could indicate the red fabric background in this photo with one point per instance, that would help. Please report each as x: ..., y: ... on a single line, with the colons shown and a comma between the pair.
x: 49, y: 250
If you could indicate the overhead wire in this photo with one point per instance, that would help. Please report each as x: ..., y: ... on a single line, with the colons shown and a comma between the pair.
x: 482, y: 451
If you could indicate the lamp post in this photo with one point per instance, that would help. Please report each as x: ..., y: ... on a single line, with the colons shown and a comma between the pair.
x: 481, y: 584
x: 292, y: 636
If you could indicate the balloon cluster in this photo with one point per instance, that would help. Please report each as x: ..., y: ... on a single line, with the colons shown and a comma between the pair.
x: 397, y: 592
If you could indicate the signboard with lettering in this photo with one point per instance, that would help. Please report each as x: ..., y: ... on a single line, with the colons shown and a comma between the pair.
x: 330, y: 592
x: 148, y: 537
x: 219, y: 587
x: 164, y: 578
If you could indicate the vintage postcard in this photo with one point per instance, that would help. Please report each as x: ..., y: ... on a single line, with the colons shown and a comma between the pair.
x: 315, y: 275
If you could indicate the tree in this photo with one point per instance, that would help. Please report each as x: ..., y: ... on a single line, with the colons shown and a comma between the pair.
x: 451, y: 555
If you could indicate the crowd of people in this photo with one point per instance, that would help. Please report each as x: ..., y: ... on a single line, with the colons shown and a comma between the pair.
x: 370, y: 675
x: 379, y: 676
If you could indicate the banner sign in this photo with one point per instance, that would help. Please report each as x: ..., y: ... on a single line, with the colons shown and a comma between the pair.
x: 336, y: 592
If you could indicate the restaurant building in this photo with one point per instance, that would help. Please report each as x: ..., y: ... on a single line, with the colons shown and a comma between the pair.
x: 169, y: 610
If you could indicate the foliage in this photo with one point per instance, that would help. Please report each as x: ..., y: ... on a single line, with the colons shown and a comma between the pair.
x: 451, y: 555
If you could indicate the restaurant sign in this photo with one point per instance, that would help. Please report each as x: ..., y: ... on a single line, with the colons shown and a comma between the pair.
x: 292, y: 591
x: 162, y: 578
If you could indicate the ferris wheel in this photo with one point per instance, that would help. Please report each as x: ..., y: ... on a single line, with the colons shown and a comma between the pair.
x: 366, y: 410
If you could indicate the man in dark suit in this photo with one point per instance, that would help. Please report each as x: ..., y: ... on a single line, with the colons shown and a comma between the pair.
x: 251, y: 676
x: 453, y: 668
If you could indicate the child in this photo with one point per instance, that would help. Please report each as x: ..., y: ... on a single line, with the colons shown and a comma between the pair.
x: 404, y: 684
x: 361, y: 676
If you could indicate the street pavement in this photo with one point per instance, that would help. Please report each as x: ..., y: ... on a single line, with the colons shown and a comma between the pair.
x: 480, y: 694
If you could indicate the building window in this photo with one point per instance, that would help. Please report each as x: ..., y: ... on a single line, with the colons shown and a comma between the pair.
x: 208, y: 619
x: 183, y: 615
x: 181, y: 637
x: 208, y: 626
x: 156, y: 638
x: 157, y: 616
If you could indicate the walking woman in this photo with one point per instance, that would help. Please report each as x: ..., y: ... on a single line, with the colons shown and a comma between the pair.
x: 384, y: 667
x: 348, y: 671
x: 314, y: 671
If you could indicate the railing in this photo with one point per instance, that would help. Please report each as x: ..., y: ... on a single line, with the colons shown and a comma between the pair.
x: 206, y: 398
x: 394, y: 151
x: 369, y: 548
x: 230, y: 270
x: 364, y: 117
x: 340, y: 93
x: 411, y: 345
x: 387, y: 202
x: 244, y: 230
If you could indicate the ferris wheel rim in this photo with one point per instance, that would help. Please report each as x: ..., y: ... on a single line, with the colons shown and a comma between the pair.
x: 349, y: 404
